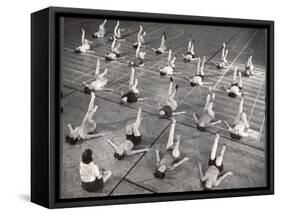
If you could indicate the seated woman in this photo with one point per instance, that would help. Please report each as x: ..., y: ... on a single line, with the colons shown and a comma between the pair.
x: 162, y: 47
x: 99, y: 83
x: 170, y: 105
x: 87, y: 127
x: 170, y: 68
x: 92, y: 178
x: 190, y: 55
x: 115, y: 53
x: 214, y: 173
x: 133, y: 139
x: 85, y: 44
x: 133, y: 93
x: 139, y: 60
x: 208, y: 116
x: 101, y: 32
x: 223, y: 62
x: 240, y: 125
x: 140, y: 38
x: 236, y: 86
x: 170, y: 160
x: 197, y: 80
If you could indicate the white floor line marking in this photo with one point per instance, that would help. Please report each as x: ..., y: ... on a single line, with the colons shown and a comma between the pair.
x: 229, y: 67
x: 255, y: 101
x: 261, y: 129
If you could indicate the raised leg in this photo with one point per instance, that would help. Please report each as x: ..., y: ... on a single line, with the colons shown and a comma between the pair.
x: 214, y: 148
x: 198, y: 66
x: 132, y: 77
x: 83, y: 37
x: 240, y: 111
x: 240, y: 84
x: 176, y: 152
x: 137, y: 123
x: 220, y: 157
x: 208, y: 99
x: 97, y: 68
x: 170, y: 86
x: 234, y: 75
x: 171, y: 134
x: 201, y: 72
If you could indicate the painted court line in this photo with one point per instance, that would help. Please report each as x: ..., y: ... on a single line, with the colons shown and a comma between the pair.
x: 252, y: 110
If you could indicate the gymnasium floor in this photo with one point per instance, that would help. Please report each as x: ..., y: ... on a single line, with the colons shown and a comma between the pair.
x: 134, y: 175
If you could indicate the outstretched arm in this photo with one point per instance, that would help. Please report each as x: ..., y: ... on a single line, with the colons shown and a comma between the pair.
x: 175, y: 165
x: 91, y: 136
x: 178, y: 113
x: 221, y: 178
x: 215, y: 123
x: 195, y: 118
x: 112, y: 144
x: 202, y: 177
x: 227, y: 125
x: 70, y: 128
x: 133, y: 152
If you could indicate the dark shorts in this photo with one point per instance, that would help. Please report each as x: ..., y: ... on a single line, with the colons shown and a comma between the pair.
x: 136, y: 140
x: 158, y: 52
x: 93, y: 186
x: 231, y: 94
x: 235, y: 136
x: 162, y: 73
x: 213, y: 163
x: 236, y: 84
x: 131, y: 97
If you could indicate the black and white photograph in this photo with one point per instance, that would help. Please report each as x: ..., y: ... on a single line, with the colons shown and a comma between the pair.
x: 155, y: 107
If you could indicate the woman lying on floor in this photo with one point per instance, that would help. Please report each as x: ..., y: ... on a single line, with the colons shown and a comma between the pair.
x: 169, y: 70
x: 162, y: 47
x: 170, y: 105
x: 117, y: 32
x: 236, y: 86
x: 85, y: 44
x: 208, y: 116
x: 115, y: 53
x: 240, y: 125
x: 133, y: 139
x: 101, y: 32
x: 140, y: 38
x: 214, y: 173
x: 170, y: 160
x: 197, y: 80
x: 133, y: 93
x: 92, y: 178
x: 190, y: 54
x: 88, y: 126
x: 139, y: 60
x: 223, y: 62
x: 99, y: 83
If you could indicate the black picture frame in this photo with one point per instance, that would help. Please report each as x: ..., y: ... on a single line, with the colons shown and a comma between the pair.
x: 46, y: 105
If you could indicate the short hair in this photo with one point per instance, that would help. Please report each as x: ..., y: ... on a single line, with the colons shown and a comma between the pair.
x: 192, y: 83
x: 87, y: 90
x: 201, y: 128
x: 235, y: 136
x: 159, y: 174
x: 231, y: 94
x: 87, y: 156
x: 71, y: 140
x: 118, y: 156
